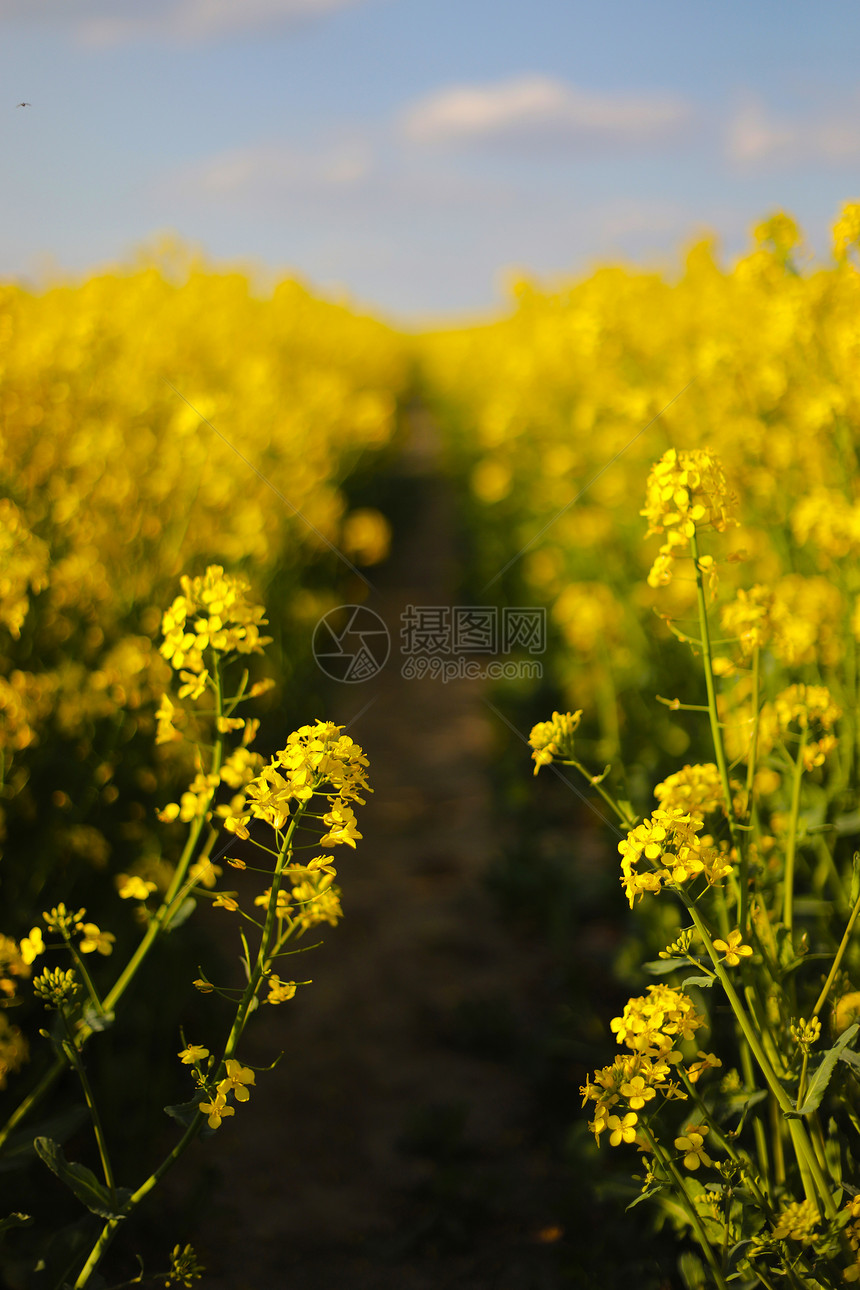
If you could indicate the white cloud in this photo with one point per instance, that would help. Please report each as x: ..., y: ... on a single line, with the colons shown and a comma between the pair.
x: 269, y: 171
x: 541, y: 109
x: 755, y: 136
x: 98, y: 22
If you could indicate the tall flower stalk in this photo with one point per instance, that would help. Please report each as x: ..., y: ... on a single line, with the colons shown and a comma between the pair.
x: 728, y: 842
x: 302, y: 798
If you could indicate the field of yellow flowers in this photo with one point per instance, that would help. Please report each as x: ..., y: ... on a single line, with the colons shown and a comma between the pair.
x: 671, y: 468
x: 170, y: 419
x: 154, y: 421
x: 555, y: 414
x: 150, y: 426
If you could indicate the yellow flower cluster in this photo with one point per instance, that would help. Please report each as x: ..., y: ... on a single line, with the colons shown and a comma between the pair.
x: 651, y: 1026
x: 237, y: 770
x: 115, y: 477
x: 685, y: 491
x: 852, y: 1235
x: 654, y: 1022
x: 697, y: 790
x: 554, y: 738
x: 799, y: 619
x: 806, y: 1033
x: 24, y: 561
x: 846, y: 230
x: 318, y: 759
x: 14, y: 966
x: 550, y: 404
x: 14, y: 1049
x: 749, y: 618
x: 804, y: 707
x: 213, y: 612
x: 314, y: 901
x: 236, y: 1081
x: 666, y: 849
x: 797, y: 1222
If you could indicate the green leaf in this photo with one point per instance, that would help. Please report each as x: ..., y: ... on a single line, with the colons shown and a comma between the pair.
x: 662, y: 967
x: 855, y: 879
x: 183, y: 913
x: 848, y: 1055
x: 737, y: 1251
x: 692, y: 1271
x: 185, y: 1112
x: 14, y: 1220
x: 644, y: 1195
x: 703, y: 982
x: 824, y: 1073
x: 82, y: 1181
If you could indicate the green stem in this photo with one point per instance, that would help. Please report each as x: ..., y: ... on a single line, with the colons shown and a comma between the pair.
x: 754, y: 702
x: 156, y: 927
x: 828, y: 872
x: 777, y: 1125
x: 33, y: 1098
x: 751, y: 764
x: 162, y: 917
x: 843, y: 945
x: 716, y: 728
x: 801, y: 1083
x: 758, y: 1128
x: 77, y: 1065
x: 791, y: 849
x: 82, y: 968
x: 242, y: 1012
x: 109, y: 1230
x: 815, y: 1184
x: 727, y: 1145
x: 610, y: 801
x: 269, y: 933
x: 688, y: 1204
x: 762, y: 1278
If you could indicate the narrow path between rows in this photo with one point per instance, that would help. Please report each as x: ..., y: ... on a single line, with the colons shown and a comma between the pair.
x: 391, y: 1147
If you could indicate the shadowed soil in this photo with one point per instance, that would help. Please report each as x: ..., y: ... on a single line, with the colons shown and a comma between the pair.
x: 392, y: 1146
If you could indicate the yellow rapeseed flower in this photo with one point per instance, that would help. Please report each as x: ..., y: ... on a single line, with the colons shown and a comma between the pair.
x: 236, y: 1080
x: 95, y: 939
x: 692, y: 1143
x: 216, y: 1109
x: 133, y: 887
x: 733, y: 949
x: 191, y: 1054
x: 33, y: 945
x: 622, y: 1130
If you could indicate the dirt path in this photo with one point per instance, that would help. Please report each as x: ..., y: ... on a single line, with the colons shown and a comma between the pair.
x: 391, y: 1147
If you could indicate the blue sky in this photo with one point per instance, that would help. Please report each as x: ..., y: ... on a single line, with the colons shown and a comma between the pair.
x: 412, y: 153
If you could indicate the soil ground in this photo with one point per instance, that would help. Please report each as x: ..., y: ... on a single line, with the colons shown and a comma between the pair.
x: 393, y: 1145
